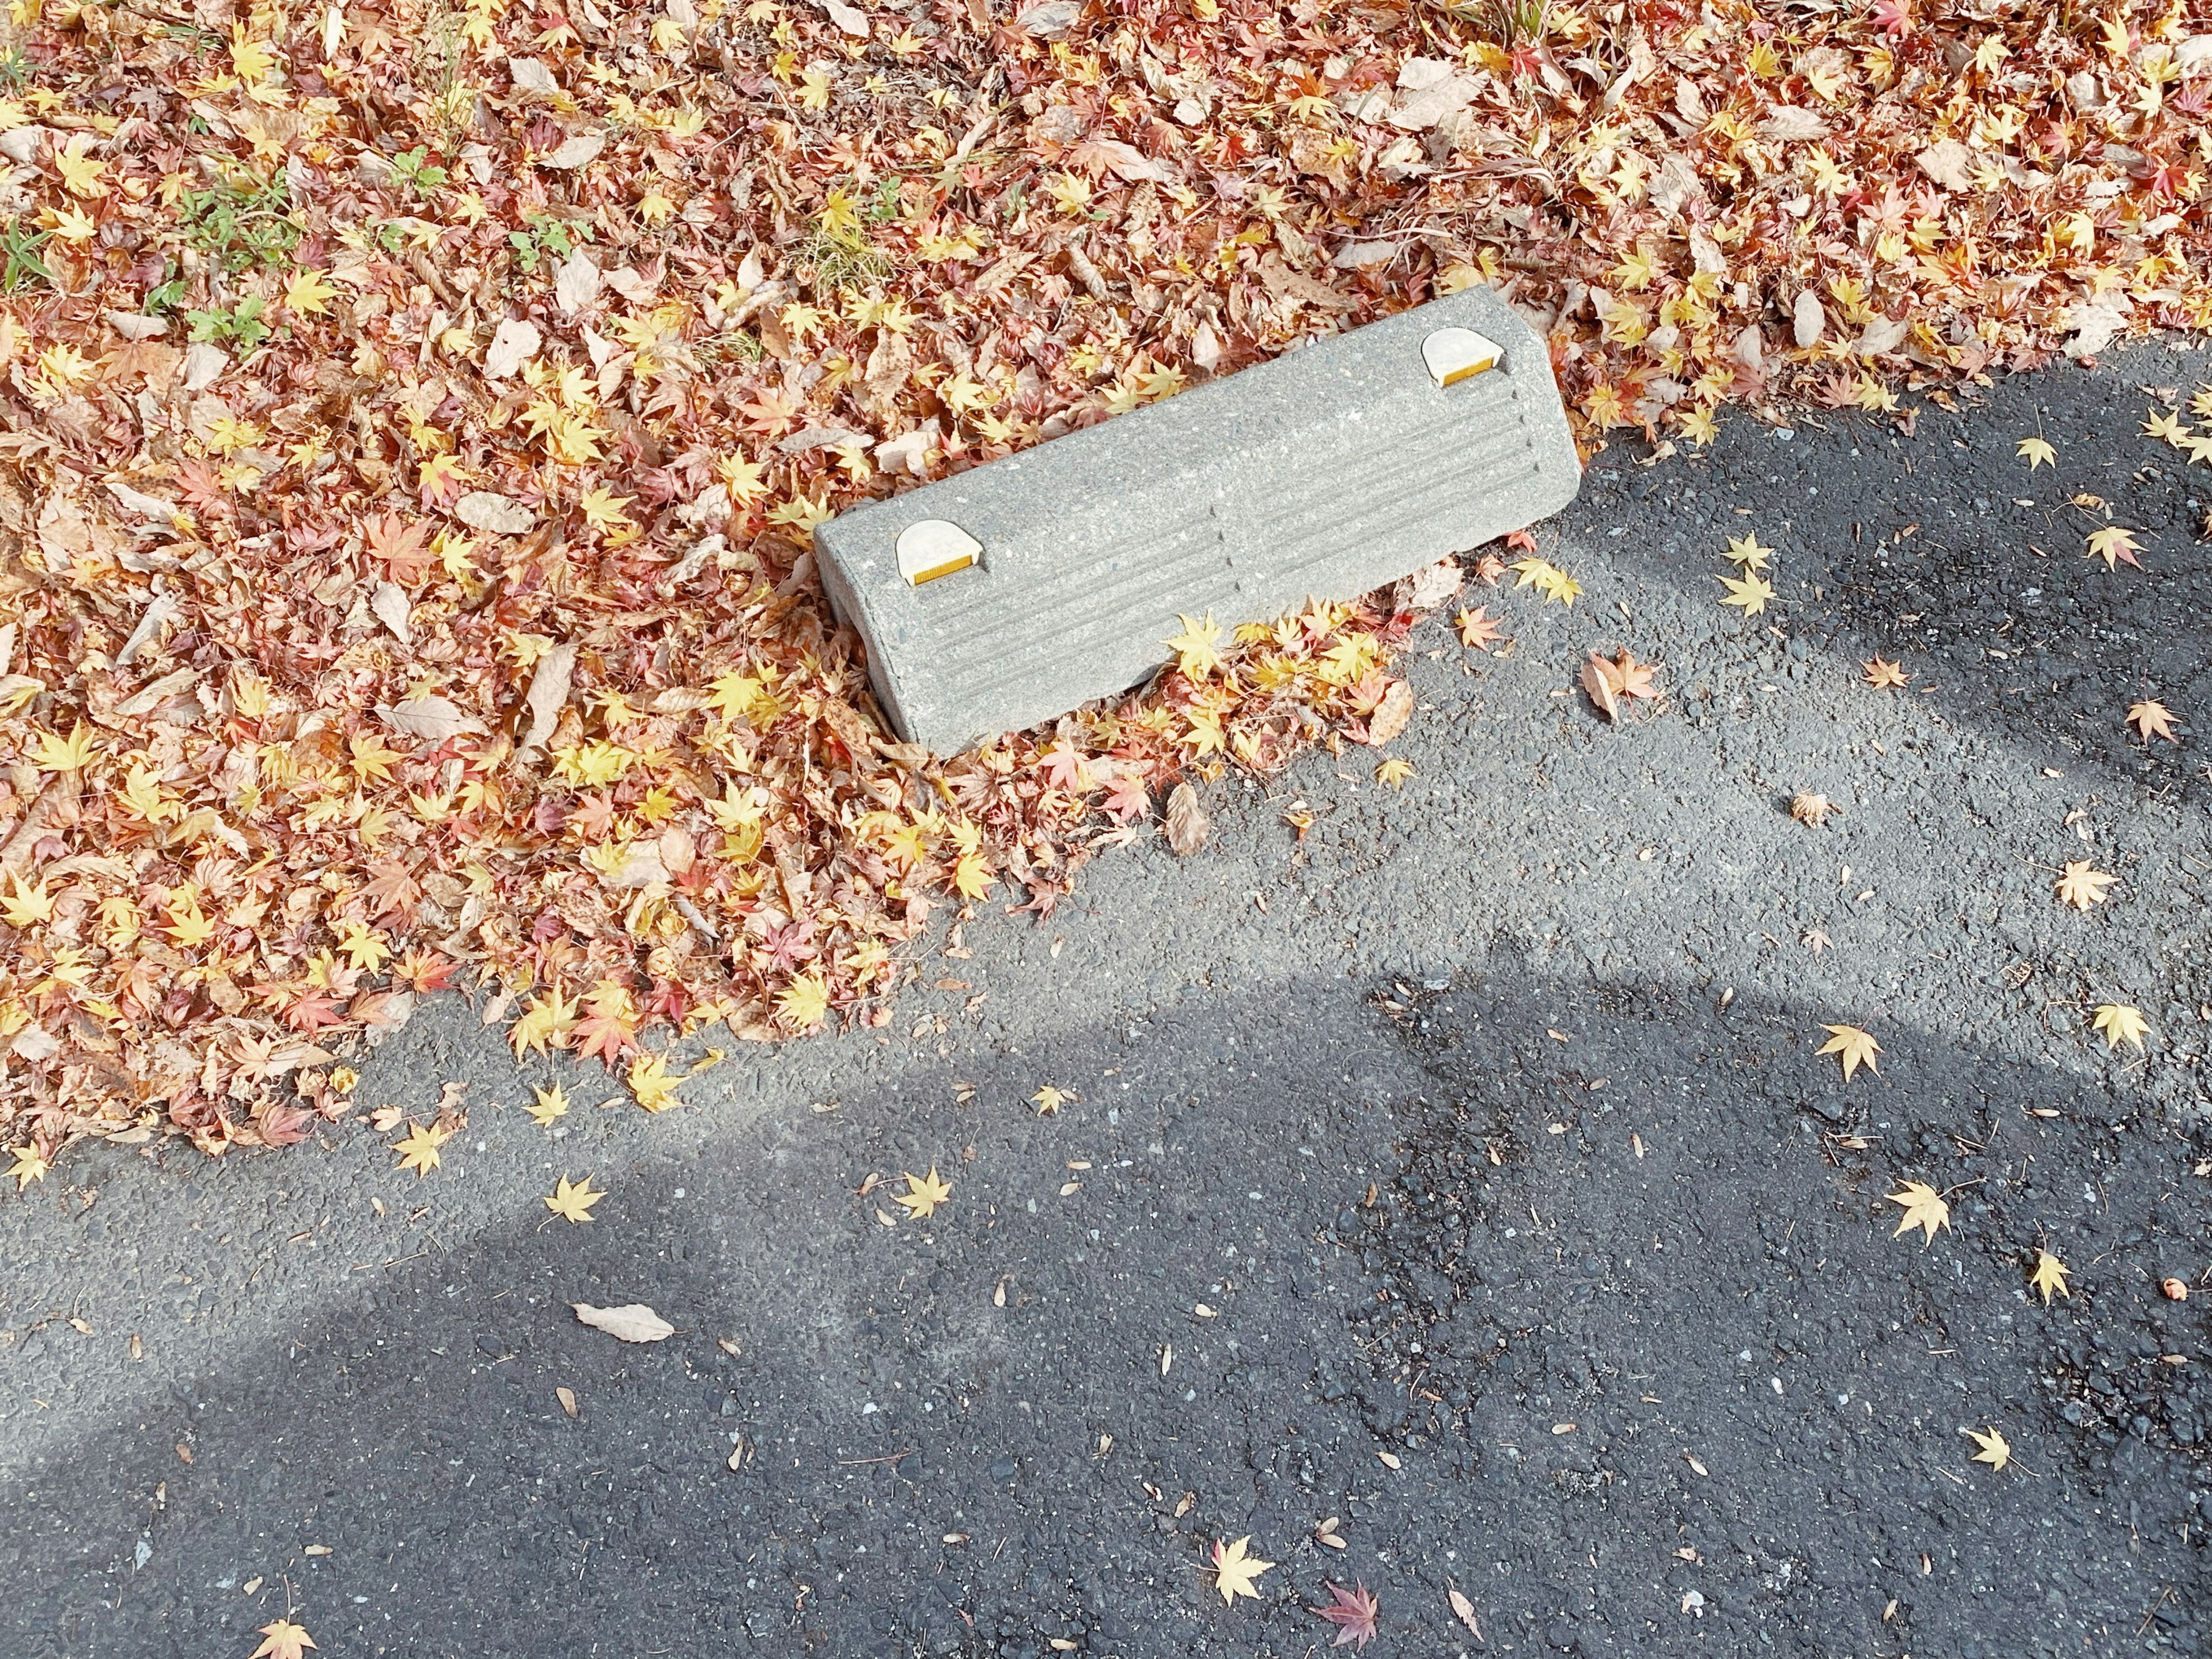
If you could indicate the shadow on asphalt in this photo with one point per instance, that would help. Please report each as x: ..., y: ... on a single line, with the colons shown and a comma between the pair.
x: 1582, y: 1300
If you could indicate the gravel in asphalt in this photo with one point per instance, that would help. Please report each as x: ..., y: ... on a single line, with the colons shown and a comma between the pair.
x: 1462, y: 1173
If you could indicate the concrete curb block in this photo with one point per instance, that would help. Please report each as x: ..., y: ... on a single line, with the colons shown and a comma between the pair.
x: 1324, y: 473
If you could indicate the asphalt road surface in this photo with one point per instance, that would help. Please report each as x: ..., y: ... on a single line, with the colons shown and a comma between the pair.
x: 1463, y: 1175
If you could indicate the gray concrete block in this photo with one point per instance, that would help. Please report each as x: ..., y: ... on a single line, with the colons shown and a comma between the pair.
x: 1321, y: 474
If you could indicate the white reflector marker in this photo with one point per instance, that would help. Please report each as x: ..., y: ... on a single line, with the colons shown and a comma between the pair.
x: 935, y: 547
x: 1453, y: 355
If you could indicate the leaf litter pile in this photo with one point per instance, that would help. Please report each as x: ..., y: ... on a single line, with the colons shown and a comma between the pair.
x: 416, y: 418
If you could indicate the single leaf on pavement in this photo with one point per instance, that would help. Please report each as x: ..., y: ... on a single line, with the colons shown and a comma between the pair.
x: 923, y: 1194
x: 632, y: 1322
x: 1882, y: 676
x: 2167, y: 426
x: 1236, y: 1572
x: 2049, y: 1276
x: 550, y: 1105
x: 2116, y: 545
x: 2120, y: 1023
x: 2036, y: 451
x: 1477, y: 630
x: 1993, y: 1450
x: 2080, y: 886
x: 418, y: 1149
x: 1852, y: 1048
x: 1185, y: 824
x: 1924, y: 1208
x: 1463, y: 1610
x: 282, y: 1639
x: 1598, y: 679
x: 1393, y: 772
x: 573, y: 1200
x: 1745, y: 553
x: 1049, y: 1100
x: 1813, y: 809
x: 30, y: 1165
x: 1752, y: 593
x: 2152, y: 719
x: 1352, y: 1611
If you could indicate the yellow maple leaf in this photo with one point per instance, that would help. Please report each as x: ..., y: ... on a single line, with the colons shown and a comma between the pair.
x: 1750, y: 593
x: 1745, y: 553
x: 2049, y: 1276
x: 2167, y: 426
x: 26, y: 906
x: 30, y: 1165
x: 603, y: 507
x: 1548, y: 579
x: 923, y: 1194
x: 2037, y: 452
x: 1393, y: 772
x: 972, y: 875
x: 418, y: 1148
x: 2118, y: 1022
x: 651, y: 1084
x: 1993, y: 1450
x: 306, y: 295
x: 550, y: 1105
x: 1924, y: 1208
x: 1699, y: 427
x: 54, y: 753
x: 1196, y: 648
x: 805, y: 1003
x: 546, y: 1019
x: 2114, y: 544
x: 366, y: 947
x: 573, y: 1200
x: 1049, y: 1100
x: 251, y: 59
x: 2080, y: 886
x: 1852, y: 1048
x: 1236, y: 1571
x: 186, y: 926
x: 282, y: 1639
x: 79, y: 168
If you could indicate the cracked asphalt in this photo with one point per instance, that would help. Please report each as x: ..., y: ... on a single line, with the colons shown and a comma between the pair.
x: 1462, y: 1174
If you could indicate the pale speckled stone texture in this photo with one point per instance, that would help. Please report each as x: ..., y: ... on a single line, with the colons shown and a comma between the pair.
x: 1324, y: 473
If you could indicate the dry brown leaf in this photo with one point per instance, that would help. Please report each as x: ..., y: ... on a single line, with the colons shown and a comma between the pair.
x: 632, y: 1322
x: 1185, y: 824
x: 1391, y: 715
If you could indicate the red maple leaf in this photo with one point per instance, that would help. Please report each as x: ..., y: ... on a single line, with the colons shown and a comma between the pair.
x: 605, y: 1032
x: 198, y: 484
x: 285, y: 1126
x: 1477, y: 630
x: 1369, y: 689
x: 312, y: 1010
x: 1044, y: 898
x: 1352, y: 1613
x: 1522, y: 540
x: 391, y: 887
x: 1063, y: 767
x: 400, y: 545
x: 425, y: 970
x: 1894, y: 17
x: 1126, y: 800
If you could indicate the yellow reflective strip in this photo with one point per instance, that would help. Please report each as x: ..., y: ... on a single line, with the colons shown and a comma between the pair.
x: 945, y: 569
